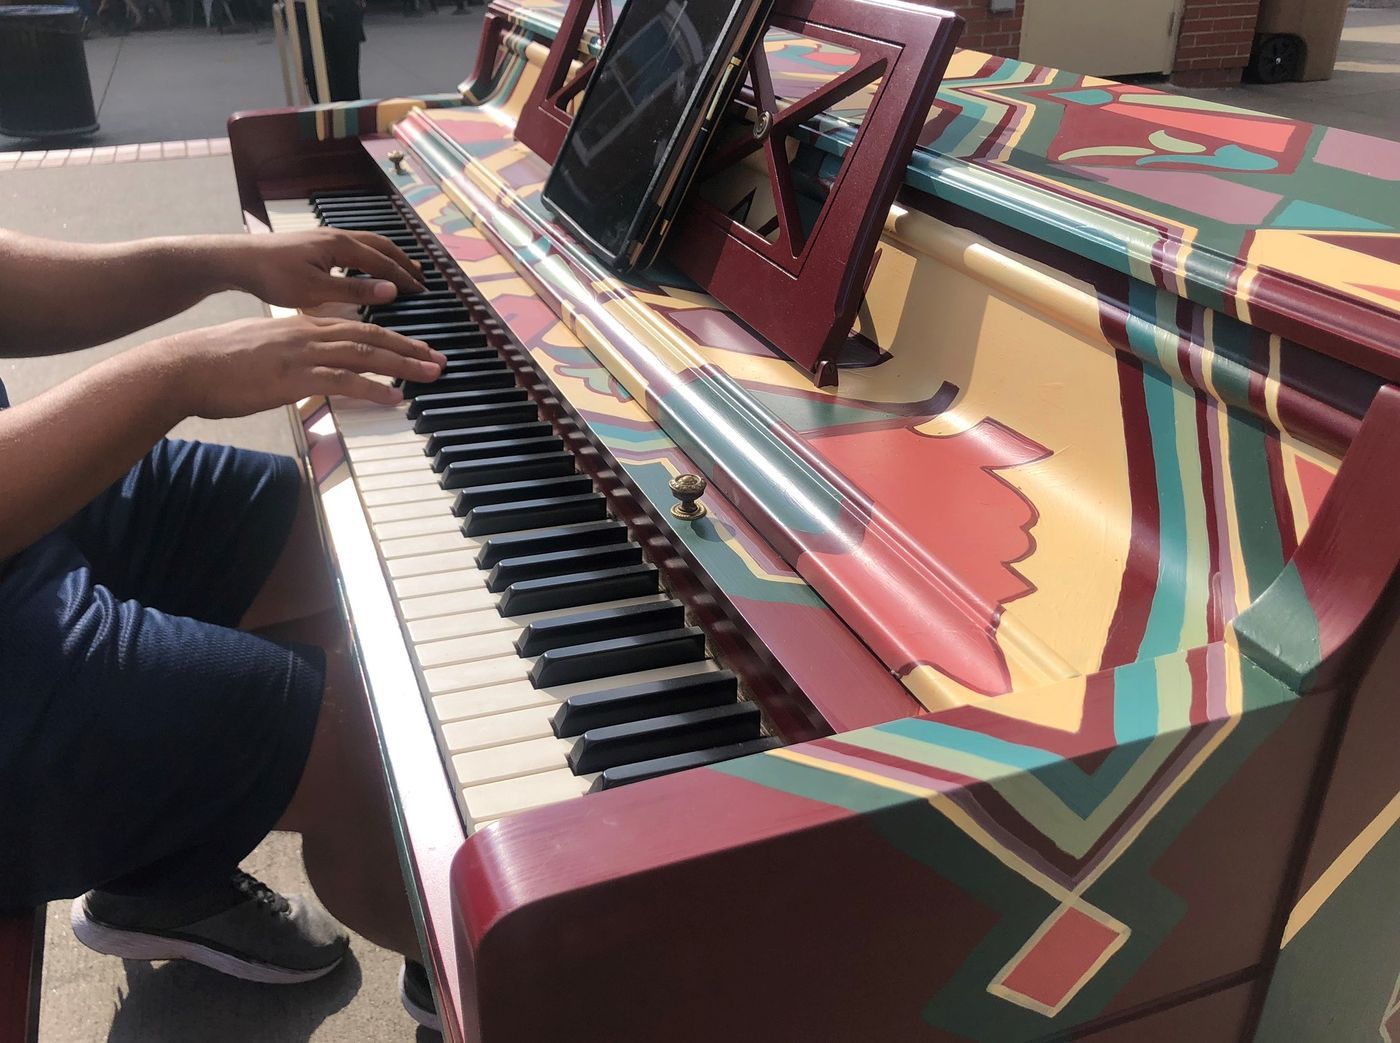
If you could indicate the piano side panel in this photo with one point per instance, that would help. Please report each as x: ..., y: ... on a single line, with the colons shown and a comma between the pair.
x: 1048, y: 860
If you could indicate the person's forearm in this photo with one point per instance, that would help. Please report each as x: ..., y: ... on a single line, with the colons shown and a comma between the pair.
x: 63, y: 296
x: 62, y: 448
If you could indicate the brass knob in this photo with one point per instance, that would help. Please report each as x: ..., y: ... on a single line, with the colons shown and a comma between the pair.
x: 396, y: 157
x: 688, y: 488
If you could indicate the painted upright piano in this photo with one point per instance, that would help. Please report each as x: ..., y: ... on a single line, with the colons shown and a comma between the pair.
x: 1057, y: 639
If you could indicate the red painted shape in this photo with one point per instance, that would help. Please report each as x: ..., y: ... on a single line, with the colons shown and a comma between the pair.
x: 1055, y: 964
x: 1315, y: 481
x: 699, y: 906
x: 966, y: 524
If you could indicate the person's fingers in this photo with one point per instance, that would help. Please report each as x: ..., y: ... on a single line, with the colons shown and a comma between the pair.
x: 360, y: 357
x: 338, y: 289
x: 332, y: 380
x: 378, y: 257
x: 379, y: 337
x: 391, y: 249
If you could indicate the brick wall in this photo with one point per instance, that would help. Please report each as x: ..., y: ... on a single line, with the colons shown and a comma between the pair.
x: 1213, y: 48
x: 1216, y: 38
x: 998, y: 34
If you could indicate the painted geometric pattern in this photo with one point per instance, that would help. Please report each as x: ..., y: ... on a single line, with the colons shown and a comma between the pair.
x: 1050, y: 807
x: 1197, y: 503
x: 1231, y: 208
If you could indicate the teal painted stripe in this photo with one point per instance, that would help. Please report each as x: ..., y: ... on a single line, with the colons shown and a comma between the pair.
x: 828, y: 787
x: 1168, y: 613
x: 1255, y: 512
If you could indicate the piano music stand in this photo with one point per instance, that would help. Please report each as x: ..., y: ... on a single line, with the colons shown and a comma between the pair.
x: 801, y: 290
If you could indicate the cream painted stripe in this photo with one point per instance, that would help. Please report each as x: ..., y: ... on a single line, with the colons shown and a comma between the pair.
x: 1228, y: 516
x: 1243, y: 292
x: 1271, y: 382
x: 1344, y: 865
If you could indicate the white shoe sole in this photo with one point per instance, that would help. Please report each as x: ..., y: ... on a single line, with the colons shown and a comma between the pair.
x: 427, y: 1018
x: 133, y: 945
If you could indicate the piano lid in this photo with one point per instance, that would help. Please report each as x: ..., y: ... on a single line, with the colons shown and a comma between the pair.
x: 1285, y: 225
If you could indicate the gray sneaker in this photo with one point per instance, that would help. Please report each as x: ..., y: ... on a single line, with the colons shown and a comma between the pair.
x: 241, y: 927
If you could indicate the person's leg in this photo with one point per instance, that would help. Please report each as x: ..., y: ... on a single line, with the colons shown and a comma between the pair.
x: 341, y: 808
x: 230, y: 537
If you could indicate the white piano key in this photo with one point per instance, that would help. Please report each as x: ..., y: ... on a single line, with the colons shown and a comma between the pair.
x: 413, y: 546
x: 479, y: 673
x: 428, y: 506
x: 404, y: 459
x: 519, y: 695
x: 389, y: 435
x: 505, y: 762
x: 417, y: 526
x: 441, y: 582
x: 404, y: 452
x: 438, y: 628
x: 511, y: 796
x: 412, y: 494
x: 399, y: 479
x: 465, y: 649
x: 499, y: 729
x: 421, y: 564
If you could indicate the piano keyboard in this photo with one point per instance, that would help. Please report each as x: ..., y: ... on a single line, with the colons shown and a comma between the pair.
x: 551, y: 660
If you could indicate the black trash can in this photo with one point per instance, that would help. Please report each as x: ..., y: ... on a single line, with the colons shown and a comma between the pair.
x: 44, y: 87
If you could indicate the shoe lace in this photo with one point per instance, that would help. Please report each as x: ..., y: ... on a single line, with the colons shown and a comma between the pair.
x: 255, y: 890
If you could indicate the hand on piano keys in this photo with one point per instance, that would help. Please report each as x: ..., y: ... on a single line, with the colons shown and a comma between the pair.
x: 295, y: 269
x: 248, y: 366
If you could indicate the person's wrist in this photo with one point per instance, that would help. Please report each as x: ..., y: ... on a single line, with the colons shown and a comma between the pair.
x: 223, y: 260
x: 169, y: 367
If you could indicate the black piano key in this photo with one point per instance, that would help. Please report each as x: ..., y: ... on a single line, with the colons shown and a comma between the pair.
x: 542, y: 541
x: 622, y: 655
x: 440, y: 440
x: 364, y: 223
x: 474, y: 367
x: 643, y: 770
x: 483, y: 380
x: 509, y: 571
x: 455, y: 351
x: 342, y: 212
x: 581, y: 588
x: 640, y: 702
x: 493, y: 470
x: 498, y: 447
x: 431, y: 420
x: 599, y: 625
x: 400, y: 318
x: 434, y: 299
x: 616, y: 744
x: 501, y: 494
x: 462, y: 332
x: 454, y: 399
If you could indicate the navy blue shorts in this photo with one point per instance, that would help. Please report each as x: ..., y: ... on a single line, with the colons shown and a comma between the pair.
x: 145, y: 744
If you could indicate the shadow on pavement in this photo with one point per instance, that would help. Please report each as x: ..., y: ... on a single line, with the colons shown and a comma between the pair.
x: 183, y: 1001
